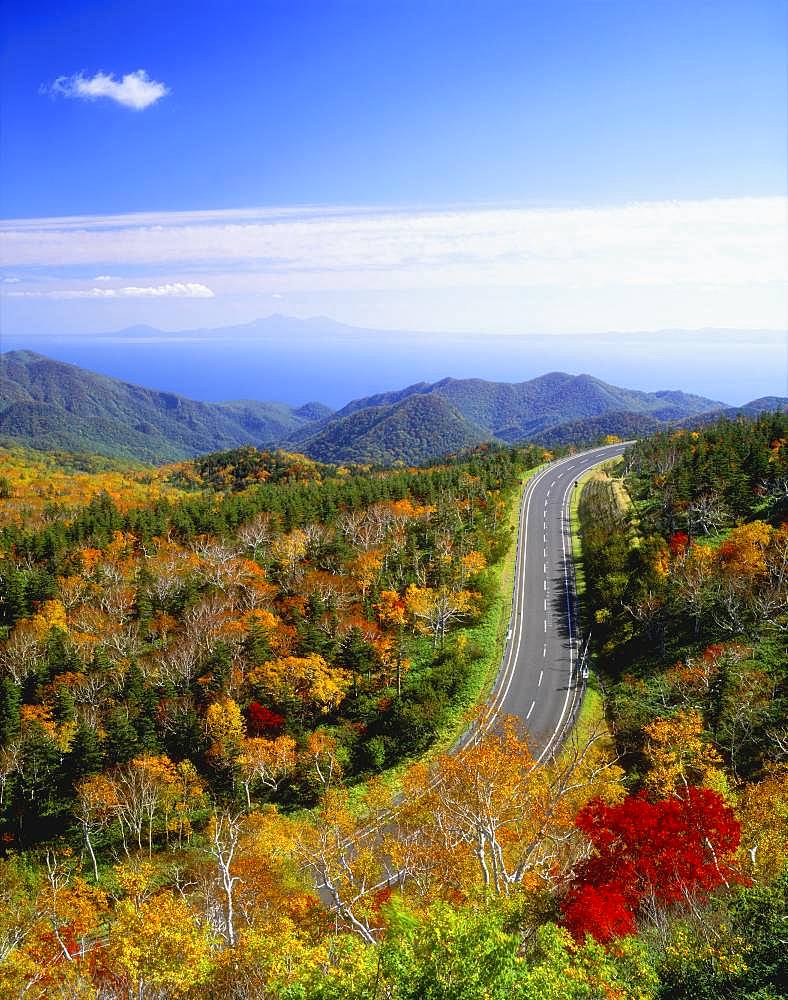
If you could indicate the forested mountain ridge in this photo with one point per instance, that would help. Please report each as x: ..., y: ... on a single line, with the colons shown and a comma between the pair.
x: 766, y: 404
x: 516, y: 411
x: 415, y: 429
x: 51, y: 405
x: 588, y: 430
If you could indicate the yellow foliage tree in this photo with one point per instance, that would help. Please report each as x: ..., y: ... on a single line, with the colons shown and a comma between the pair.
x: 51, y: 614
x: 156, y: 948
x: 471, y: 564
x: 743, y: 553
x: 678, y: 755
x: 434, y: 611
x: 306, y: 679
x: 391, y: 609
x: 491, y: 818
x: 763, y: 814
x: 225, y: 727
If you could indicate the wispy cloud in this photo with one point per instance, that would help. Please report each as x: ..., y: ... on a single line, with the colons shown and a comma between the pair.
x: 717, y: 241
x: 134, y: 90
x: 715, y: 262
x: 174, y: 290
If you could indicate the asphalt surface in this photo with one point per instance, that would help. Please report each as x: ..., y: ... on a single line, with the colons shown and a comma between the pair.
x: 540, y: 680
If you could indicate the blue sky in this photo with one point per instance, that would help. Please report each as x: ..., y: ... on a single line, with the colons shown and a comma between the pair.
x: 509, y: 167
x: 395, y: 102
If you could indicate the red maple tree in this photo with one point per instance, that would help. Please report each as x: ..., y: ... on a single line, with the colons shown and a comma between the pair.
x: 666, y: 850
x: 263, y: 720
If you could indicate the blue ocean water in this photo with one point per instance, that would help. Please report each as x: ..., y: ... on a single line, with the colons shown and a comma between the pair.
x: 336, y: 365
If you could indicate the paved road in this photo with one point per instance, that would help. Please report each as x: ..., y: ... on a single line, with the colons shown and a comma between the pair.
x: 538, y: 680
x: 538, y: 677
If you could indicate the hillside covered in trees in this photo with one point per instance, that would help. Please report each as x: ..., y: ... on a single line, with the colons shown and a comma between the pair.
x: 244, y: 597
x: 227, y: 688
x: 53, y: 406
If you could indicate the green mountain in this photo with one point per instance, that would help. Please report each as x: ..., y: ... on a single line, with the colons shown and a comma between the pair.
x: 588, y: 430
x: 414, y: 430
x: 638, y: 425
x: 766, y: 404
x: 523, y: 410
x: 750, y: 411
x: 56, y: 406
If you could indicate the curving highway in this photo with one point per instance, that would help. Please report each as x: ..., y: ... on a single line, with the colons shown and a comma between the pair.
x: 539, y: 680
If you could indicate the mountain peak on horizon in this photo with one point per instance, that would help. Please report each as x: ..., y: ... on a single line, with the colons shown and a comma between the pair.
x: 140, y: 328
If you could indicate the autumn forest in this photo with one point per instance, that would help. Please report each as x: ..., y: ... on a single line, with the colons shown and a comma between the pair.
x: 231, y: 691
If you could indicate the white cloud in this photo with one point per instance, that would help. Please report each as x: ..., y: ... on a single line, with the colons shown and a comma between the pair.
x: 656, y: 243
x: 104, y: 277
x: 174, y: 290
x: 134, y: 90
x: 11, y: 281
x: 637, y: 266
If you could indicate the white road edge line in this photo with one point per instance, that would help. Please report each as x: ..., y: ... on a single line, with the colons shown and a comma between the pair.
x: 501, y: 689
x: 570, y: 611
x: 516, y: 620
x: 571, y: 629
x: 508, y: 672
